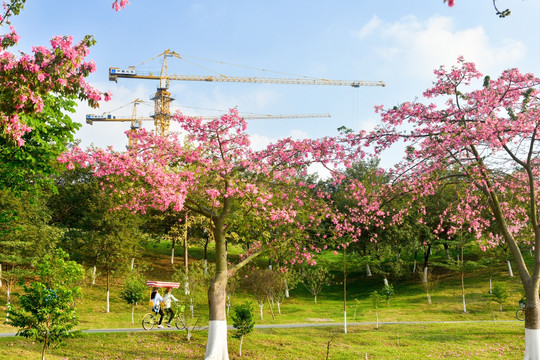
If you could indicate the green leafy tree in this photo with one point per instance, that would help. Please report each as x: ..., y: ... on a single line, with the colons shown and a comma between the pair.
x: 314, y: 278
x: 133, y: 291
x: 46, y: 312
x: 376, y: 299
x: 499, y: 294
x: 243, y: 322
x: 387, y: 291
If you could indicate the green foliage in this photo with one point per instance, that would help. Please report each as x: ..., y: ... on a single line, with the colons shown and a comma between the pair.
x: 387, y: 291
x: 314, y: 278
x: 46, y: 312
x: 243, y: 320
x: 499, y: 294
x: 34, y: 165
x: 134, y: 289
x: 376, y: 299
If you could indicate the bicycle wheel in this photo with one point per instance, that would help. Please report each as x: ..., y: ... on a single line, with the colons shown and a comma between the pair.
x: 178, y: 322
x: 520, y: 314
x: 148, y: 321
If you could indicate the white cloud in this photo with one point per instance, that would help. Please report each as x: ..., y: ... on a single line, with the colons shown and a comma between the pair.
x: 421, y: 46
x: 369, y: 28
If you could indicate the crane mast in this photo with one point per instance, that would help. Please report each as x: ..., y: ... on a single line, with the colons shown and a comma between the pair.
x: 162, y: 99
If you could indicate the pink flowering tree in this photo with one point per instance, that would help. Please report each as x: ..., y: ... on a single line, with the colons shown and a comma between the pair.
x: 211, y: 170
x: 485, y: 140
x: 27, y: 78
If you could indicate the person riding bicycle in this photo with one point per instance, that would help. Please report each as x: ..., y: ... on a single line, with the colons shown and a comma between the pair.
x: 167, y: 302
x: 156, y: 299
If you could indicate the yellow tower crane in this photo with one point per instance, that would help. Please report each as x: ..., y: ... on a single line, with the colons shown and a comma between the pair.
x: 136, y: 121
x: 162, y: 98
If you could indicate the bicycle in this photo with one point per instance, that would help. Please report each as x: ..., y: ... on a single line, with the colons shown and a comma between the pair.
x: 520, y: 314
x: 151, y: 319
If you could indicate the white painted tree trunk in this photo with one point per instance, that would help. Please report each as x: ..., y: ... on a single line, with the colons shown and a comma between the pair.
x: 205, y: 267
x: 464, y: 303
x: 228, y: 304
x: 377, y: 315
x: 414, y: 266
x: 490, y: 286
x: 186, y: 288
x: 172, y: 255
x: 132, y: 263
x: 428, y: 297
x: 315, y: 299
x: 532, y: 344
x: 107, y: 301
x: 132, y: 315
x: 191, y: 307
x: 368, y: 270
x: 510, y: 268
x: 240, y: 348
x: 0, y: 275
x: 385, y: 280
x: 216, y: 345
x: 270, y: 266
x: 424, y: 279
x: 261, y: 310
x: 345, y: 321
x: 286, y: 290
x: 94, y: 275
x: 278, y: 308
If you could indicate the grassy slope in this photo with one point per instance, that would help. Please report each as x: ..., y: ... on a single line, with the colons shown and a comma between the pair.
x: 404, y: 342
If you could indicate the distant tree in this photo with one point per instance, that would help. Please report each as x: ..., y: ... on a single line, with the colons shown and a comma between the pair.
x: 376, y: 299
x: 47, y: 312
x: 133, y: 291
x: 260, y: 284
x: 314, y: 278
x: 499, y: 294
x: 243, y: 322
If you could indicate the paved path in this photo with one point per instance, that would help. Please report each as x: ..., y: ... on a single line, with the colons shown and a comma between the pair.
x: 291, y: 326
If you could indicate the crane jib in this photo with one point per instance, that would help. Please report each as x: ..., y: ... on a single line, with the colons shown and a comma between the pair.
x: 115, y: 73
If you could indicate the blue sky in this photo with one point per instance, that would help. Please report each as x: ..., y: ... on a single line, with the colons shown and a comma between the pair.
x: 399, y: 42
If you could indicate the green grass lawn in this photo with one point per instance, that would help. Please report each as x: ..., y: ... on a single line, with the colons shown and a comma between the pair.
x: 430, y: 341
x: 503, y: 340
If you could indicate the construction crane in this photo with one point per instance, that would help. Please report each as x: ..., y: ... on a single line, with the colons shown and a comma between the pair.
x: 162, y: 99
x: 136, y: 121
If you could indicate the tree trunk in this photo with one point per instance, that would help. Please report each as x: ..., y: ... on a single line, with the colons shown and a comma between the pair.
x: 377, y: 315
x: 0, y: 275
x: 385, y: 280
x: 368, y: 270
x: 447, y: 250
x: 490, y: 285
x: 186, y: 247
x: 426, y: 255
x: 425, y: 278
x: 107, y: 289
x: 261, y: 310
x: 132, y: 315
x: 463, y: 282
x: 286, y: 290
x: 315, y: 299
x: 205, y: 267
x: 414, y: 266
x: 240, y: 348
x: 278, y: 308
x: 345, y: 321
x: 94, y: 275
x: 172, y: 254
x: 532, y: 327
x: 510, y: 272
x: 216, y: 345
x: 132, y: 263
